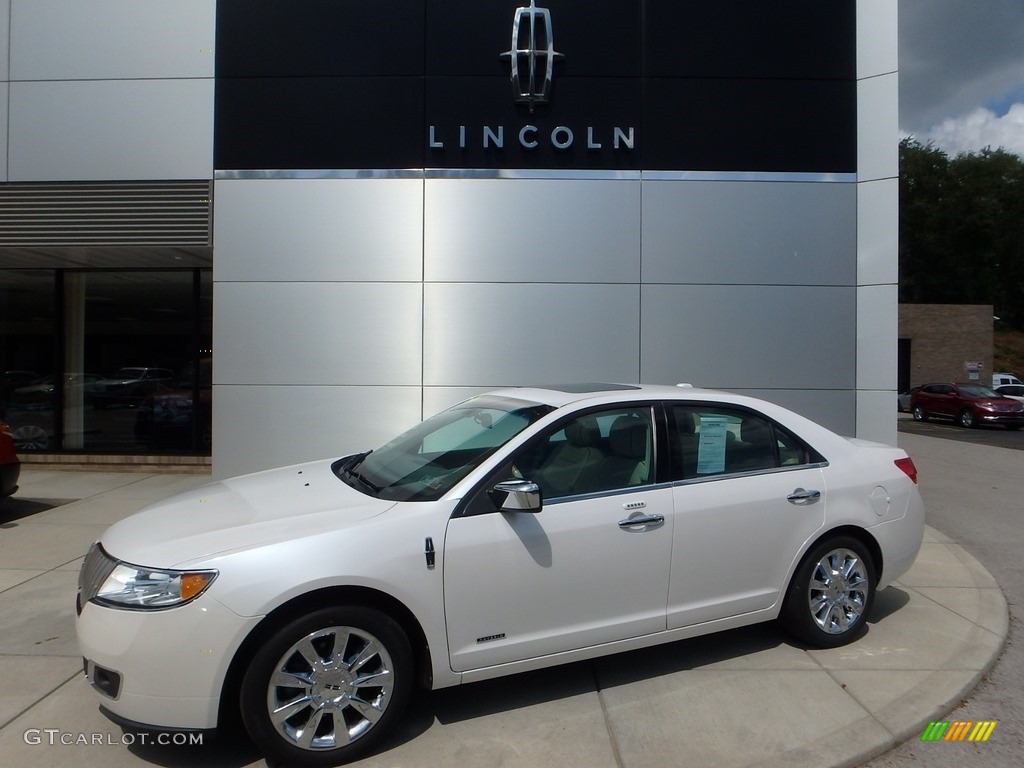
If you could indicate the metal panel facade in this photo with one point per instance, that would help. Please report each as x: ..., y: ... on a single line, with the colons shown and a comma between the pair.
x: 707, y: 194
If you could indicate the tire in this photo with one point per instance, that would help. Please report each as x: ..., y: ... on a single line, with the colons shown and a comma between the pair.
x: 335, y: 715
x: 920, y: 414
x: 966, y: 418
x: 831, y: 594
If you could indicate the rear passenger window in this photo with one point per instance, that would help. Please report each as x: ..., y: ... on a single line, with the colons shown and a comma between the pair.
x: 710, y: 441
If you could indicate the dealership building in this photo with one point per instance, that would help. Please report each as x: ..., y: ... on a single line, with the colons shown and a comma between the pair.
x: 311, y: 223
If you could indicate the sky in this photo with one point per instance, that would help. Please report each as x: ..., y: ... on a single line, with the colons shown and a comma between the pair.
x: 962, y: 73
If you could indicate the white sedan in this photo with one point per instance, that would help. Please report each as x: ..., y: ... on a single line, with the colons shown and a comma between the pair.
x: 519, y: 529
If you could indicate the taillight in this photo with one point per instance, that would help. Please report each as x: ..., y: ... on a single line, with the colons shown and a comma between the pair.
x: 907, y: 465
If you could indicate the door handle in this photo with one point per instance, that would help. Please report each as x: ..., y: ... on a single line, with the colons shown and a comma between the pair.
x: 803, y: 496
x: 630, y: 522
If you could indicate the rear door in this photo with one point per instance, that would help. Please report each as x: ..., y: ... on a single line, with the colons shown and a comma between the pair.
x: 749, y: 494
x: 941, y: 400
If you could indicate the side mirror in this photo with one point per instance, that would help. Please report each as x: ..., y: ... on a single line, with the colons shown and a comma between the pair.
x: 517, y: 496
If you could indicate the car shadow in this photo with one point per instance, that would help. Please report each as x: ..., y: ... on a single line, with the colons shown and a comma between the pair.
x: 887, y: 602
x: 528, y: 689
x: 15, y: 508
x: 232, y: 750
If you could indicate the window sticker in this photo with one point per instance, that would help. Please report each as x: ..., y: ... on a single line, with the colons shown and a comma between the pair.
x: 711, y: 449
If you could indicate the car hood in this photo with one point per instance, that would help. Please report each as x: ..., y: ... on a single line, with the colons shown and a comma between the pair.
x: 240, y: 513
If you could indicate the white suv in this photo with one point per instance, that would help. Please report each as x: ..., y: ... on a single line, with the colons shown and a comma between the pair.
x: 999, y: 379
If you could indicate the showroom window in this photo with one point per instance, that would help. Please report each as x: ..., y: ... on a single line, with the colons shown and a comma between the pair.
x: 107, y: 361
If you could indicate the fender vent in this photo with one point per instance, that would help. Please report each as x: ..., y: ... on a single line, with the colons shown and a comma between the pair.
x: 106, y: 213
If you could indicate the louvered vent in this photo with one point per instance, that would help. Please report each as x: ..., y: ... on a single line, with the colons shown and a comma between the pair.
x: 106, y: 213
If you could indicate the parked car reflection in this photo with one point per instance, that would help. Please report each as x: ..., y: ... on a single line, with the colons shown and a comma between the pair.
x: 32, y: 408
x: 44, y: 389
x: 129, y: 386
x: 179, y: 415
x: 11, y: 380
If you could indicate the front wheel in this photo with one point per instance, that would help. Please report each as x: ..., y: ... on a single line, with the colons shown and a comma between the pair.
x: 920, y: 414
x: 831, y: 594
x: 325, y: 688
x: 967, y: 418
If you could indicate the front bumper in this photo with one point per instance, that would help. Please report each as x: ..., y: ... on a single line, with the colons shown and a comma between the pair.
x: 164, y: 669
x: 1004, y: 419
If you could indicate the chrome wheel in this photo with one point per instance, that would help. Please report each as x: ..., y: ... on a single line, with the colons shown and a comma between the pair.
x: 966, y: 418
x: 330, y: 688
x: 919, y: 413
x: 830, y: 595
x: 837, y: 594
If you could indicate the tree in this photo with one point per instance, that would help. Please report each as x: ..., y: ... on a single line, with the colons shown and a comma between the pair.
x: 962, y: 228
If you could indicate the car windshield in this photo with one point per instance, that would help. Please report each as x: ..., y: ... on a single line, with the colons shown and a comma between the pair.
x: 976, y: 390
x: 425, y: 462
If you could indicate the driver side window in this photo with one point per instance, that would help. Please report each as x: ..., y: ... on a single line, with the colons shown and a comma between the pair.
x: 593, y: 453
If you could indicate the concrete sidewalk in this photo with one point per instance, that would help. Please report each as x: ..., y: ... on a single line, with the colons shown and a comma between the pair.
x: 749, y: 697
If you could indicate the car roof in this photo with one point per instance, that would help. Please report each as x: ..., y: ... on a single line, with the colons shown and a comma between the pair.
x: 559, y: 395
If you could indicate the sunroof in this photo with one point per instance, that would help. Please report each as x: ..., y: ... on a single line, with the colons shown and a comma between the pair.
x: 584, y: 388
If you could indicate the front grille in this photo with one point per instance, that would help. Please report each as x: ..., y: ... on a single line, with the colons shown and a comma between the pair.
x: 97, y: 567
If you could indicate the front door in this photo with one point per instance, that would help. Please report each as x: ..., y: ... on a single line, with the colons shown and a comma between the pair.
x: 519, y: 585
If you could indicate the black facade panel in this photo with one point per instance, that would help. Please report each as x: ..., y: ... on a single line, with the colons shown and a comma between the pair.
x: 750, y: 125
x: 803, y: 39
x: 466, y: 37
x: 313, y: 122
x: 319, y: 38
x: 338, y: 84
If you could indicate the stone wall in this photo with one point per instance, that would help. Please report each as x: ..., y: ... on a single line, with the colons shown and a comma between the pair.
x: 945, y: 338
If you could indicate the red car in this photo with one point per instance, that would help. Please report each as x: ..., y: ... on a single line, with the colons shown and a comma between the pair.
x: 10, y: 465
x: 971, y: 405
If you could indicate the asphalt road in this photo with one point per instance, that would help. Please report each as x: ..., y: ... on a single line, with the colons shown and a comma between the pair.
x: 993, y: 532
x: 999, y: 437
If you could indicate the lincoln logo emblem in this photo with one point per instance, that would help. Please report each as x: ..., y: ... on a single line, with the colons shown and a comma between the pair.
x: 532, y: 55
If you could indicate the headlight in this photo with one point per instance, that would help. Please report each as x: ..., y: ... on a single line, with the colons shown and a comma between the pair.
x: 129, y: 586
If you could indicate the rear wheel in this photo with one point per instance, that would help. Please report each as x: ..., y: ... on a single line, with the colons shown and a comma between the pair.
x: 831, y: 594
x: 327, y: 687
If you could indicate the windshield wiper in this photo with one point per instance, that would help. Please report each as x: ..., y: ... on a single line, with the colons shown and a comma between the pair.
x: 348, y: 469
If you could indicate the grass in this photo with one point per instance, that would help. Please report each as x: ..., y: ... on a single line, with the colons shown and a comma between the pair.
x: 1008, y: 352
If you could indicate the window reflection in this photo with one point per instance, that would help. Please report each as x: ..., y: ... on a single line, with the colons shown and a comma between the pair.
x: 107, y: 361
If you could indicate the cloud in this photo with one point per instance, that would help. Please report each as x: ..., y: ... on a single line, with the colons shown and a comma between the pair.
x: 978, y: 129
x: 957, y: 57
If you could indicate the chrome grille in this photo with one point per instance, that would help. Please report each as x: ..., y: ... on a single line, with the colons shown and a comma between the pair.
x: 95, y: 570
